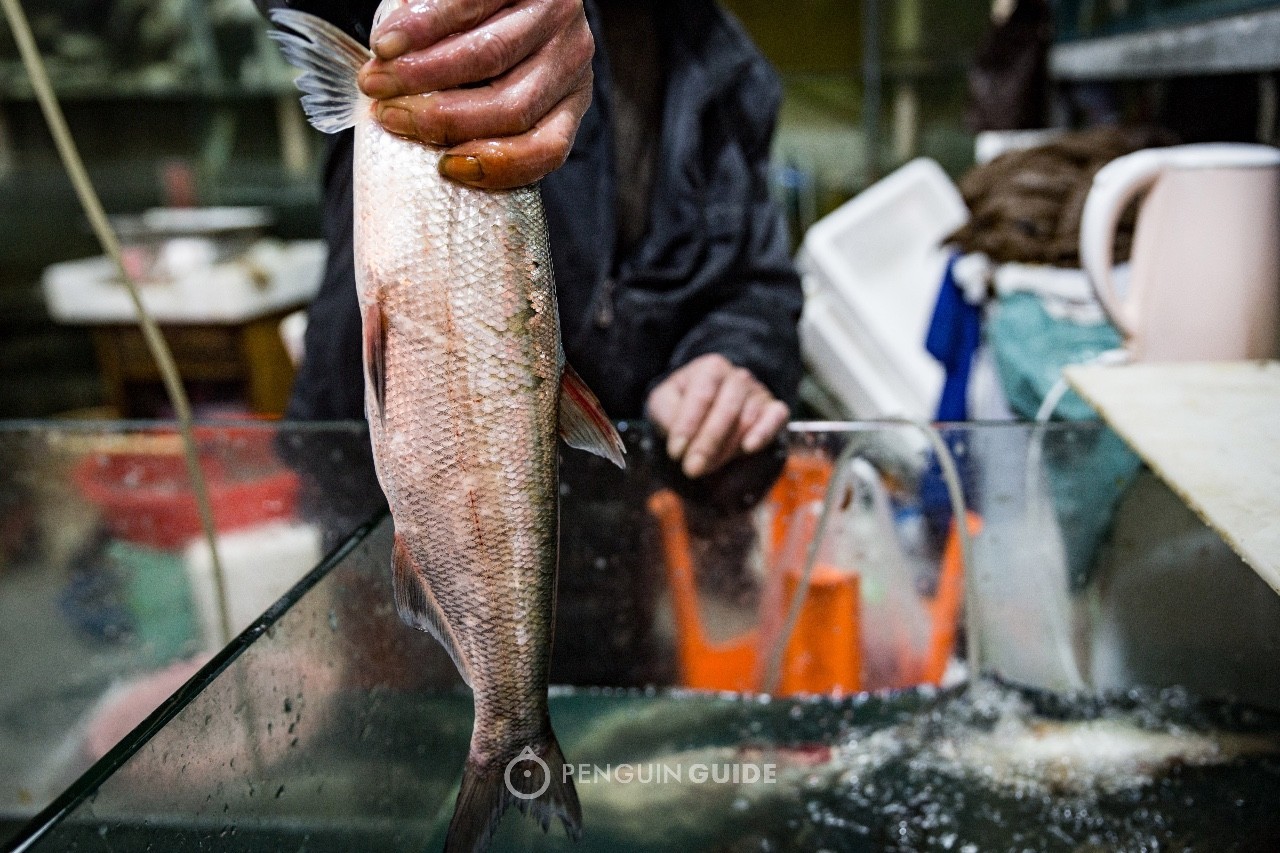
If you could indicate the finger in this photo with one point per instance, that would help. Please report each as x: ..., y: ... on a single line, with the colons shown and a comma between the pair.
x: 713, y: 441
x: 664, y: 402
x: 489, y: 51
x: 516, y: 161
x: 702, y: 378
x: 751, y: 410
x: 415, y: 26
x: 729, y: 449
x: 768, y: 424
x: 509, y: 106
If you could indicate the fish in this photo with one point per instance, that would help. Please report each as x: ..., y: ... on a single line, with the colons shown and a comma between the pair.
x: 466, y: 391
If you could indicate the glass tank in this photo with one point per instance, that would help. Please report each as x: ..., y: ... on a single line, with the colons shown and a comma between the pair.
x: 771, y: 659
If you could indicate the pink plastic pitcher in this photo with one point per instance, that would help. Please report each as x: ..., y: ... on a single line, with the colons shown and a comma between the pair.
x: 1205, y: 273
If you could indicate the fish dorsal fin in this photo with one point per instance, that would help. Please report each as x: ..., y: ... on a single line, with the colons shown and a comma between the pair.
x: 329, y: 60
x: 418, y: 607
x: 583, y: 423
x: 374, y: 328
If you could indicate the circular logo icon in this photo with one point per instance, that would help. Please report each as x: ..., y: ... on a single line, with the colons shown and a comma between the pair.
x: 527, y: 773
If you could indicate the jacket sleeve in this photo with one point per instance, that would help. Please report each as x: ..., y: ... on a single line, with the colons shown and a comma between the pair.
x: 752, y: 318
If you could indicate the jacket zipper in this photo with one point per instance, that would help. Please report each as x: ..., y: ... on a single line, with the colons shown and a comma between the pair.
x: 604, y: 306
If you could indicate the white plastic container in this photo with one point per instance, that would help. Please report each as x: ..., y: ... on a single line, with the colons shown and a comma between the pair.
x: 260, y: 565
x: 269, y: 277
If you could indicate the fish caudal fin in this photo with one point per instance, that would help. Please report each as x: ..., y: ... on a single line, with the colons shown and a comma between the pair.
x: 329, y: 60
x: 418, y: 607
x: 534, y: 781
x: 583, y: 423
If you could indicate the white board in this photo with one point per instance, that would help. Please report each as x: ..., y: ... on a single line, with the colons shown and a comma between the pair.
x: 1212, y: 432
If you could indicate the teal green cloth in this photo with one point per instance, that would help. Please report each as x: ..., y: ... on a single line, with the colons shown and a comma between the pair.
x: 1087, y: 472
x: 1031, y: 348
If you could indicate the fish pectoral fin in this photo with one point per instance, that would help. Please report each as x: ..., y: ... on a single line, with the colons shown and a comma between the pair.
x: 329, y: 60
x: 418, y: 607
x: 374, y: 327
x: 583, y: 423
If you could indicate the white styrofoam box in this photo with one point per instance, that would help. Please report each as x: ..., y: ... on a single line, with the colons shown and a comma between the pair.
x: 260, y: 565
x: 269, y: 277
x: 862, y: 382
x: 891, y: 223
x: 879, y: 259
x: 914, y: 396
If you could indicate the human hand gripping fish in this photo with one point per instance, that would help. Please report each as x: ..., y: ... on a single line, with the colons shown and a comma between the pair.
x: 502, y: 83
x: 465, y: 390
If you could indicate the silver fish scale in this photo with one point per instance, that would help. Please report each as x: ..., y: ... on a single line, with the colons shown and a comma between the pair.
x: 467, y: 455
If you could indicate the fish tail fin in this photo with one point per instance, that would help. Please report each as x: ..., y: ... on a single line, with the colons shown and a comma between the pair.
x: 560, y: 799
x: 583, y: 423
x: 535, y: 781
x: 329, y: 60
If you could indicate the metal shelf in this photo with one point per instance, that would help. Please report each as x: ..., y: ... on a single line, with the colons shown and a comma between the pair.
x: 17, y: 91
x: 1244, y: 43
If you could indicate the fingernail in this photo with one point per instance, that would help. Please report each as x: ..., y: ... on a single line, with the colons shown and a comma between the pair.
x: 676, y: 446
x: 392, y: 44
x: 464, y: 169
x: 397, y: 120
x: 694, y: 465
x: 379, y: 84
x: 752, y: 443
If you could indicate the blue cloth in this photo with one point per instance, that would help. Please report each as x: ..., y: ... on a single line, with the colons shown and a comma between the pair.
x: 955, y: 333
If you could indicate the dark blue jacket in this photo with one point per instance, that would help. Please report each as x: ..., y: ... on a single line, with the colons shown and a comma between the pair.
x: 713, y: 273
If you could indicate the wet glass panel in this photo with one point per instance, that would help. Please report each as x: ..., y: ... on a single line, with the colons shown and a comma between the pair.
x: 108, y: 598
